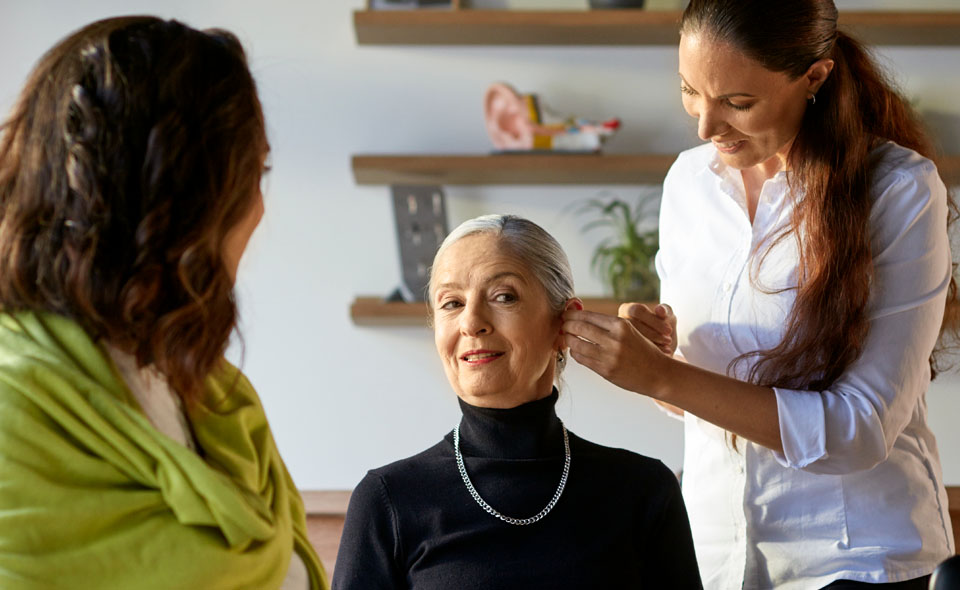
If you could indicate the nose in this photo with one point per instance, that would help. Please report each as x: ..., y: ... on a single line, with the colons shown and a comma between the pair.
x: 475, y: 320
x: 710, y: 123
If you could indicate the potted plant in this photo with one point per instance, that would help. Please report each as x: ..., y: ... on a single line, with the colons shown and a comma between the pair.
x: 625, y: 259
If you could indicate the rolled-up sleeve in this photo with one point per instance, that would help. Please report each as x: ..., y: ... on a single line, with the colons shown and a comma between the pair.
x: 853, y: 425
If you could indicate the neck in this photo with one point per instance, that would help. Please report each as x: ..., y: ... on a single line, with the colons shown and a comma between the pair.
x: 526, y: 431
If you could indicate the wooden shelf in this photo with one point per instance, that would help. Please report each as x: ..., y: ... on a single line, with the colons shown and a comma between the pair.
x: 512, y: 169
x: 374, y: 311
x: 542, y: 169
x: 325, y: 502
x: 611, y: 27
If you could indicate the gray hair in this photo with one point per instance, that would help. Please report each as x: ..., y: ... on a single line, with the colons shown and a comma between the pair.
x: 537, y: 250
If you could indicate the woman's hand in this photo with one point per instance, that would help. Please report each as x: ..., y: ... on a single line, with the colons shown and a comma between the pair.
x: 658, y: 325
x: 617, y: 350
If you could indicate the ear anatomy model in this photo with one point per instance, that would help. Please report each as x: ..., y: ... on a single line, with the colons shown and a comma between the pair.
x: 521, y: 122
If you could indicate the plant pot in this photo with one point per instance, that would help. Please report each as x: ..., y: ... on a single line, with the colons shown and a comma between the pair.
x: 615, y: 4
x: 642, y: 285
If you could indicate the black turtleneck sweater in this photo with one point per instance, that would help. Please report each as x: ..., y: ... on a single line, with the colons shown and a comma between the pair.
x: 620, y: 523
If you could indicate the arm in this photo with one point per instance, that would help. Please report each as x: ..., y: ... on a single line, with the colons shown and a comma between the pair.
x: 659, y: 326
x: 852, y: 425
x: 370, y: 545
x: 617, y: 351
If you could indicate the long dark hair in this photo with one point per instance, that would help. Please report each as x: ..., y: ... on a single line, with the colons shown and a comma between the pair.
x: 134, y: 148
x: 856, y: 109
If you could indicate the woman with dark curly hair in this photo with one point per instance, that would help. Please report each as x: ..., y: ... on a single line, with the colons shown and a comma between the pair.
x: 132, y: 454
x: 805, y: 252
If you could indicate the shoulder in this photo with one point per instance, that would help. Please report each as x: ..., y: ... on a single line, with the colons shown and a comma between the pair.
x: 691, y: 161
x: 683, y: 187
x: 626, y: 462
x: 395, y: 479
x: 423, y: 461
x: 894, y: 165
x: 905, y: 188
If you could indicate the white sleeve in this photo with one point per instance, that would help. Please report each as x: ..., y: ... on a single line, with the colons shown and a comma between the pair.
x: 853, y: 425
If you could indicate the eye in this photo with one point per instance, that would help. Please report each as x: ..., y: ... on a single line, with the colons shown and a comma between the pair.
x: 739, y: 107
x: 505, y: 297
x: 687, y: 90
x: 450, y: 304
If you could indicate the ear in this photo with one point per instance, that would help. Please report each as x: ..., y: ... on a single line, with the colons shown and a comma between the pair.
x: 574, y: 303
x: 817, y: 74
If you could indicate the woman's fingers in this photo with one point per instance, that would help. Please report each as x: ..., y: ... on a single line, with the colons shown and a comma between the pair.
x: 604, y: 344
x: 658, y: 324
x: 585, y: 330
x: 645, y: 318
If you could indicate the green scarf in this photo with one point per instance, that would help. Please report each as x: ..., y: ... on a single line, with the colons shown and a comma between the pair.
x: 93, y: 496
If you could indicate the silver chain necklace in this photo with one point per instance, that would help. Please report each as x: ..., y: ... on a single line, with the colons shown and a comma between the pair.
x: 493, y: 511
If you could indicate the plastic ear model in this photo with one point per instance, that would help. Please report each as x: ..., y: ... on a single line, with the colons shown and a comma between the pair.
x: 520, y: 122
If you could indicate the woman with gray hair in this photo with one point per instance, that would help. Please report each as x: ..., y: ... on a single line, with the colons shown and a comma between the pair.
x: 510, y: 498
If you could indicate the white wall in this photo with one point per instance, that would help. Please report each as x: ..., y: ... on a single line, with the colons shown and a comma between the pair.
x: 342, y: 398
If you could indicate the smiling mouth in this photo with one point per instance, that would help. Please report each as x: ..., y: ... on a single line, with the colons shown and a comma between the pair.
x: 476, y: 357
x: 729, y: 146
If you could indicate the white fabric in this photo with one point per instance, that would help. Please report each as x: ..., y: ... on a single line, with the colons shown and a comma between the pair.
x: 162, y: 406
x: 858, y: 492
x: 164, y: 409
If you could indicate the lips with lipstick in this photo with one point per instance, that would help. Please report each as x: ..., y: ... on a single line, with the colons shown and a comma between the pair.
x: 480, y: 357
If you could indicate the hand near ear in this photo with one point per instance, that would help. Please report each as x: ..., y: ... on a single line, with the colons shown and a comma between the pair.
x: 658, y: 325
x: 615, y: 349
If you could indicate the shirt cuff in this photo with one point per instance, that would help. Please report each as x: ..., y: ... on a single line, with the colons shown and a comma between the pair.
x: 803, y: 428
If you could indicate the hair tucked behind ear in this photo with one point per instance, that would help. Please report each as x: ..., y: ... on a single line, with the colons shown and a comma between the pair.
x: 135, y: 147
x: 856, y: 110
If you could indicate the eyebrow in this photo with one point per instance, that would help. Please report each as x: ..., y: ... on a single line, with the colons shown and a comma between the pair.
x: 722, y: 97
x: 492, y: 279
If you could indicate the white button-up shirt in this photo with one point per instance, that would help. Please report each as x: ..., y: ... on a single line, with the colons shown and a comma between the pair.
x: 857, y: 493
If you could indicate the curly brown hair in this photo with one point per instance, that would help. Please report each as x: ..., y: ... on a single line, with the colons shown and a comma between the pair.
x: 857, y: 109
x: 135, y: 147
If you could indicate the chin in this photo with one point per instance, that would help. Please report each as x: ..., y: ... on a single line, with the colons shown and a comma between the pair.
x: 739, y: 161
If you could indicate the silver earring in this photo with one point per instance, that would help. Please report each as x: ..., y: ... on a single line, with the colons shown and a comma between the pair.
x: 560, y: 358
x: 812, y: 100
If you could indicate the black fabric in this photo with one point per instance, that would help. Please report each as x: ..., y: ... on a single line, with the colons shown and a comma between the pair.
x: 914, y: 584
x: 620, y: 523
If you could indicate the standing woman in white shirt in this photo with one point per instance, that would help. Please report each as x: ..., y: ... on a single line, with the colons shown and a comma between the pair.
x: 804, y: 251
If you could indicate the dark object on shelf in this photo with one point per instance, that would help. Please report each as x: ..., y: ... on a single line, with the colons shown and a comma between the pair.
x: 408, y: 4
x: 947, y: 575
x: 615, y: 4
x: 421, y: 219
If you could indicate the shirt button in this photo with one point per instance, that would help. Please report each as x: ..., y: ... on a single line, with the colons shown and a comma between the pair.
x: 727, y: 287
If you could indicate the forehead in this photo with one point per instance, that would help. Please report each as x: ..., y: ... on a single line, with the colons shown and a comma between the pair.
x: 477, y: 258
x: 715, y: 67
